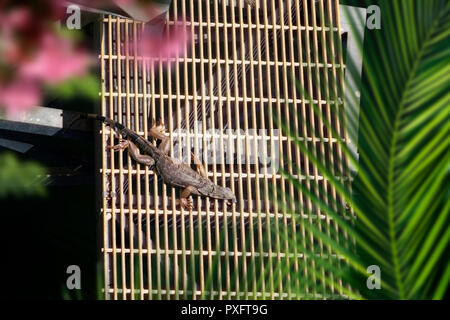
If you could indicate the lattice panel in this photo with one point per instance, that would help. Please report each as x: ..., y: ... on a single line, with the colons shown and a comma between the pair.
x: 221, y: 99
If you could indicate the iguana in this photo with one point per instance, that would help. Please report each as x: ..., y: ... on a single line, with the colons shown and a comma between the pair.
x: 173, y: 171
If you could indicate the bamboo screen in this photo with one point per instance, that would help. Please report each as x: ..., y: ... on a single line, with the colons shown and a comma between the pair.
x: 220, y: 99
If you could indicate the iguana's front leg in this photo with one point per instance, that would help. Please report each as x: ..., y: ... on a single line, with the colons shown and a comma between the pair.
x: 143, y: 159
x: 157, y: 132
x: 186, y: 199
x: 202, y: 171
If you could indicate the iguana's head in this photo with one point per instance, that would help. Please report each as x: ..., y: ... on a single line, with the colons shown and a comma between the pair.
x: 225, y: 193
x: 229, y: 195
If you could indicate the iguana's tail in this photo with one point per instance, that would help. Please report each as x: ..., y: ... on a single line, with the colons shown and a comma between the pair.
x: 113, y: 124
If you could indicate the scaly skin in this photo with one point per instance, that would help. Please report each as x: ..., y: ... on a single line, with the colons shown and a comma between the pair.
x: 172, y: 171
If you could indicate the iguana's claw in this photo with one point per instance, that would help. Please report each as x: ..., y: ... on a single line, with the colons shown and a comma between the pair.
x: 194, y: 158
x: 158, y: 124
x: 121, y: 146
x: 158, y: 129
x: 187, y: 203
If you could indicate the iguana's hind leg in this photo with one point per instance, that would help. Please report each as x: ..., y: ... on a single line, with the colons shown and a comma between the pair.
x: 143, y: 159
x: 157, y: 132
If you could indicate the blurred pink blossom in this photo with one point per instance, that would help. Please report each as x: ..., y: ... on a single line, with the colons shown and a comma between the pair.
x: 156, y: 46
x: 55, y: 61
x: 153, y: 44
x: 33, y: 54
x: 17, y: 18
x: 19, y: 95
x: 12, y: 23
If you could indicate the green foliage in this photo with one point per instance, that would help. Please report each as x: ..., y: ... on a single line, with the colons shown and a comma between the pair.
x: 74, y: 35
x: 87, y: 86
x: 18, y: 178
x: 400, y: 192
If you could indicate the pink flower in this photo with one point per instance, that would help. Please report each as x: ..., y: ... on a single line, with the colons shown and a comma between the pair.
x: 32, y: 54
x: 55, y: 61
x: 155, y: 46
x: 19, y: 95
x: 17, y: 18
x: 11, y: 23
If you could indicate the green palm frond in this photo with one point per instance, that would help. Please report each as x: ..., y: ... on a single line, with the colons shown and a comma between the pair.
x: 400, y: 192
